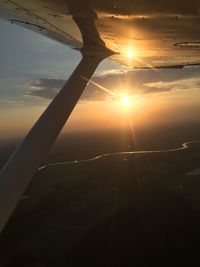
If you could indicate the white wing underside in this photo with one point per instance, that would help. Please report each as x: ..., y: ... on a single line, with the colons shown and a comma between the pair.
x: 159, y: 33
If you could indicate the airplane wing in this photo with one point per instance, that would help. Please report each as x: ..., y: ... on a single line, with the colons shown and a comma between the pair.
x: 143, y: 33
x: 138, y: 33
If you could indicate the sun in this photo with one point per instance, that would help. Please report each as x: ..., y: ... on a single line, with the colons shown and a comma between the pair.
x: 125, y: 101
x: 130, y: 54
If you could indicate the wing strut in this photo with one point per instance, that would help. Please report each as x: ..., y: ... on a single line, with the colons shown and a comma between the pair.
x: 24, y: 162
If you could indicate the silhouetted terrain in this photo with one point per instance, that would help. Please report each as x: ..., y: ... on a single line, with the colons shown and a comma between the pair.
x: 128, y: 210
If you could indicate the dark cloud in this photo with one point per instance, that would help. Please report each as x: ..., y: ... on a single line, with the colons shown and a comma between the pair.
x: 137, y: 82
x: 153, y: 90
x: 48, y: 88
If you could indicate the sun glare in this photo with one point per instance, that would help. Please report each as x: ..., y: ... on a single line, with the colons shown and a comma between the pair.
x: 130, y: 54
x: 125, y: 101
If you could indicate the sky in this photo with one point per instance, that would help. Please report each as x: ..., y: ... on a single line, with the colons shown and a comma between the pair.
x: 33, y: 68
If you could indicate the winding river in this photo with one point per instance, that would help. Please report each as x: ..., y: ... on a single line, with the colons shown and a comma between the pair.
x: 184, y: 146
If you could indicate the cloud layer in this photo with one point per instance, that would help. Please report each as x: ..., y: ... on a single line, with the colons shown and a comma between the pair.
x: 134, y: 81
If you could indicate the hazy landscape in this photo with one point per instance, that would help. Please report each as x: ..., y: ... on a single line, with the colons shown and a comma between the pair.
x: 125, y: 210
